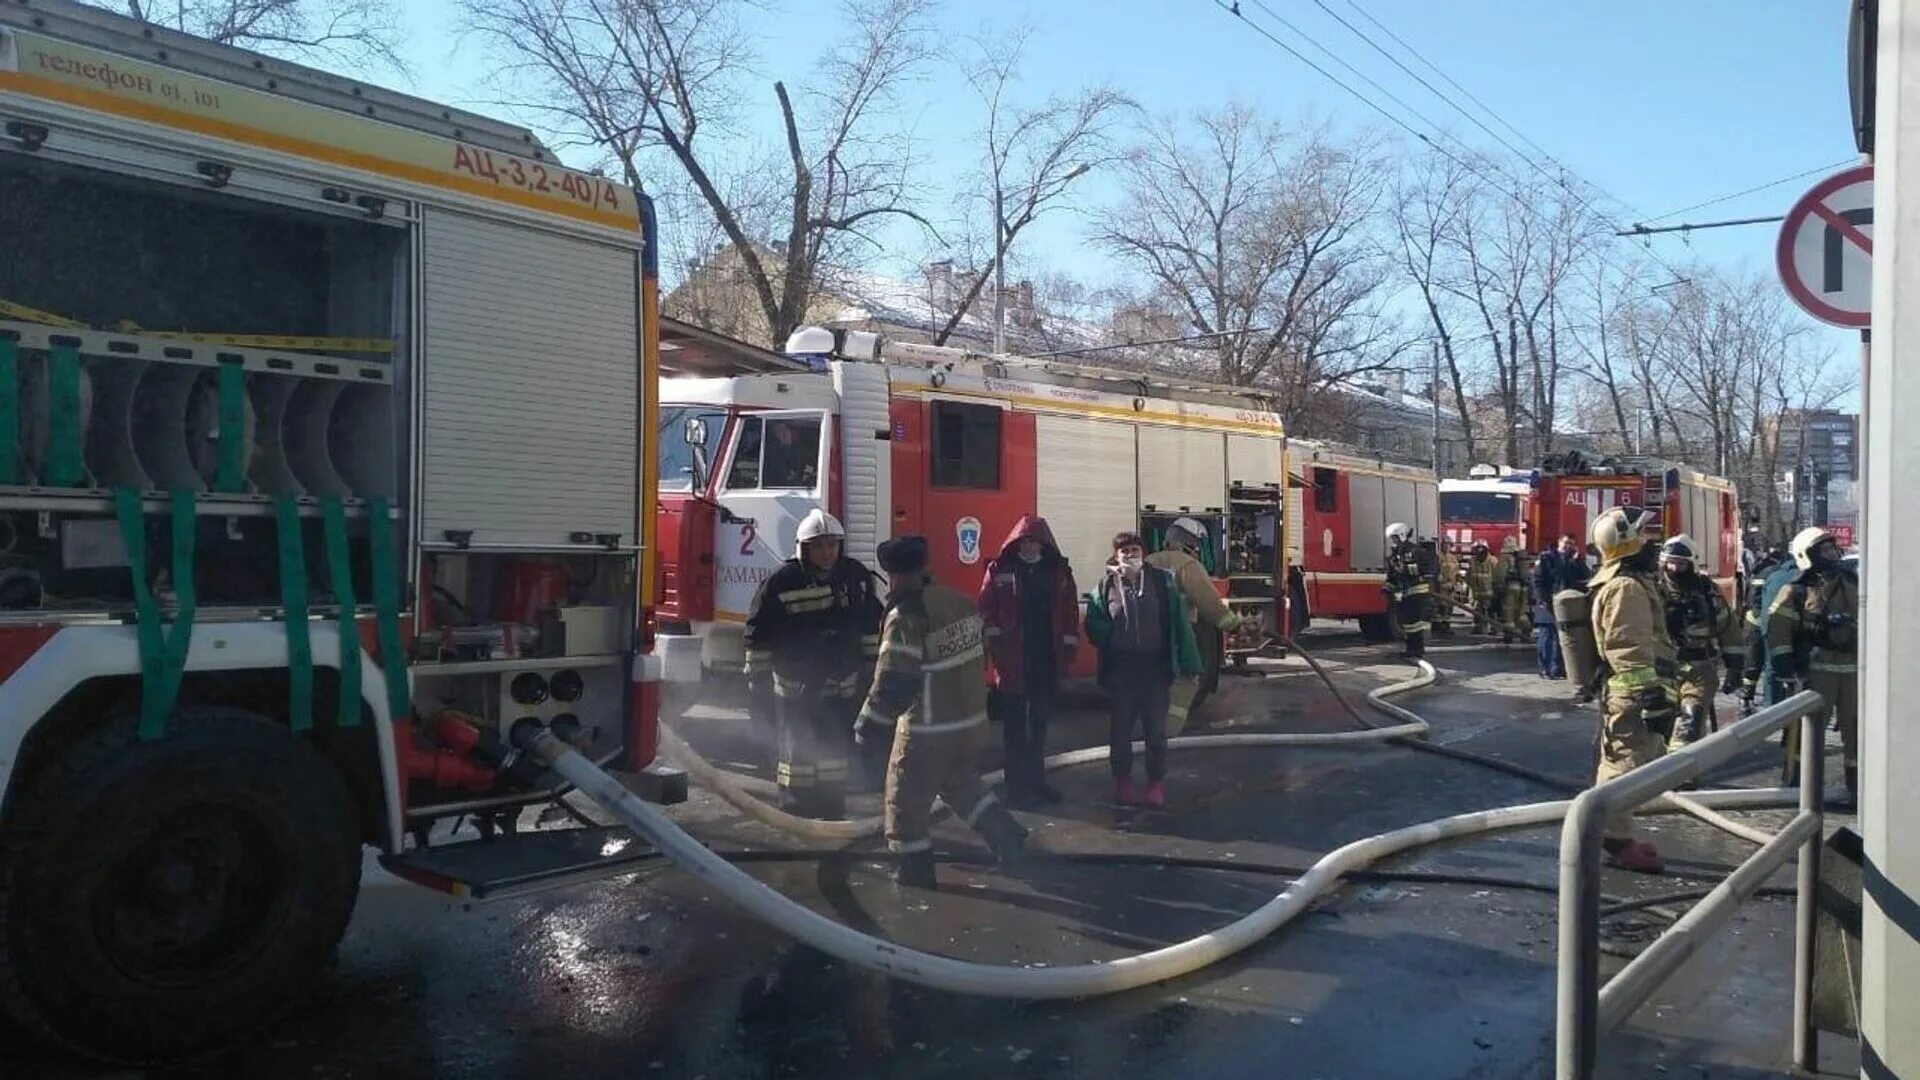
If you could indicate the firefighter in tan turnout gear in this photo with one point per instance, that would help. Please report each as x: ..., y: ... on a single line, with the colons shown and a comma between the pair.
x: 1480, y: 595
x: 810, y: 638
x: 1813, y: 635
x: 929, y: 698
x: 1706, y: 636
x: 1639, y: 699
x: 1204, y: 609
x: 1513, y: 585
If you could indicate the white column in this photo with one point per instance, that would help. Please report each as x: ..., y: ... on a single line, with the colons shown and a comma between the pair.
x: 1890, y: 679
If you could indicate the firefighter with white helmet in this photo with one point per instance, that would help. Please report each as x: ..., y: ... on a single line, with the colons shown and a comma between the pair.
x: 811, y: 638
x: 1705, y: 635
x: 1412, y: 572
x: 1180, y: 557
x: 1639, y: 699
x: 1813, y: 635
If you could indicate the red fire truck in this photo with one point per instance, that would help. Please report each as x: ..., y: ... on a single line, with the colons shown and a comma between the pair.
x: 1340, y: 502
x: 1538, y: 506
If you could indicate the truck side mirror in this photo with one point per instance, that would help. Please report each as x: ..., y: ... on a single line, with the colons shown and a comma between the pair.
x: 694, y: 431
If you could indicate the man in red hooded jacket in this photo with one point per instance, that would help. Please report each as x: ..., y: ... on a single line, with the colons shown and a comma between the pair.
x: 1032, y: 615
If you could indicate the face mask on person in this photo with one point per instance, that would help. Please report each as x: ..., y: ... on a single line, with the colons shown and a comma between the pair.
x: 1131, y: 565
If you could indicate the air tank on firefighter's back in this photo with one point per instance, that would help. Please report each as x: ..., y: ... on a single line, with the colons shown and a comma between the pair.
x: 1573, y: 614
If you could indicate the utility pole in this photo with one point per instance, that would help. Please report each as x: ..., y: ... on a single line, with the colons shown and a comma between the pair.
x: 1433, y: 392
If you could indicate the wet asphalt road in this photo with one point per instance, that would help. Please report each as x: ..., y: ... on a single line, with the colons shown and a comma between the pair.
x: 650, y: 975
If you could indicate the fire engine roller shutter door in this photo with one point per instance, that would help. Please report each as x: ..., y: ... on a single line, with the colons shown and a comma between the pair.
x: 867, y: 457
x: 1401, y: 504
x: 1181, y: 467
x: 1426, y: 501
x: 1253, y: 459
x: 1085, y: 489
x: 530, y: 382
x: 1367, y: 498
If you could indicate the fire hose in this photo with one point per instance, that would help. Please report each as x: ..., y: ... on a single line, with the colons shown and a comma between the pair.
x: 1085, y: 980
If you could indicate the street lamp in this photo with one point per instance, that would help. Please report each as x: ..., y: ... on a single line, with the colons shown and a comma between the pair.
x: 1000, y: 254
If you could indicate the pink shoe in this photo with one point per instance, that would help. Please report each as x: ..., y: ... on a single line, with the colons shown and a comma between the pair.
x: 1635, y: 855
x: 1157, y: 795
x: 1124, y: 793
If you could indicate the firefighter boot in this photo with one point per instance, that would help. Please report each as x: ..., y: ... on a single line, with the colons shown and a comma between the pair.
x: 1850, y: 804
x: 1005, y: 835
x: 915, y: 871
x: 1693, y: 723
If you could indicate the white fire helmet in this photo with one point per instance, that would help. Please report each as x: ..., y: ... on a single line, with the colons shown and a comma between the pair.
x: 1191, y: 527
x: 1399, y: 531
x: 1617, y: 533
x: 1683, y: 549
x: 816, y: 525
x: 1804, y: 542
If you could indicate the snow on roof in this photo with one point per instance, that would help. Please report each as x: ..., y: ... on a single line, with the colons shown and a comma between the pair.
x: 869, y: 297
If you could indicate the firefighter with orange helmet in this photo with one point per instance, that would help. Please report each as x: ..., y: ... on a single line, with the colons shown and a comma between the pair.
x: 1639, y: 699
x: 811, y: 638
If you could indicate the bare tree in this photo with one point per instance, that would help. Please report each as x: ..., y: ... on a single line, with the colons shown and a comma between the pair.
x: 1031, y: 155
x: 356, y: 32
x: 1265, y: 239
x: 1427, y: 209
x: 646, y: 81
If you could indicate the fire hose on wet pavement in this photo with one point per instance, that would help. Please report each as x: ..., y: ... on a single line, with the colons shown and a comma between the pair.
x: 1085, y: 980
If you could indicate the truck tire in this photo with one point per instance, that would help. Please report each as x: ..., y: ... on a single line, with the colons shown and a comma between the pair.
x: 160, y: 898
x: 1376, y: 628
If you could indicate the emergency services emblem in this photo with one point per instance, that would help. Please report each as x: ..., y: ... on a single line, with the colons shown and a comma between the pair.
x: 967, y: 531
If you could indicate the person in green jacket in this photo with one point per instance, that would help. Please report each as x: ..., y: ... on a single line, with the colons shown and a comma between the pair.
x: 1138, y: 620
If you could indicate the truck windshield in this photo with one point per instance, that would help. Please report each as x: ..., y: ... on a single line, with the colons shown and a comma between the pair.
x: 676, y: 457
x: 1489, y: 506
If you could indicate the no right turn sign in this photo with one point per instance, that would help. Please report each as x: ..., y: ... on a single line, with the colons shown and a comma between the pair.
x: 1825, y: 252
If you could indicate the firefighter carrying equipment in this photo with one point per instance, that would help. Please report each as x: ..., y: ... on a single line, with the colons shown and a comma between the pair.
x: 1412, y: 570
x: 810, y: 638
x: 1085, y: 980
x: 1573, y: 617
x: 1706, y: 636
x: 1803, y: 544
x: 1813, y: 634
x: 1639, y: 700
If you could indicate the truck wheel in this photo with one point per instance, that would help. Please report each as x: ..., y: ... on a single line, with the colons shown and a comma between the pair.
x: 161, y: 898
x: 1376, y: 628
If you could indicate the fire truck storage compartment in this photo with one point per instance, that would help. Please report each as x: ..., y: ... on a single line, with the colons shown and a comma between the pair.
x: 151, y: 325
x: 1253, y: 560
x: 530, y: 387
x: 1087, y: 490
x: 505, y: 636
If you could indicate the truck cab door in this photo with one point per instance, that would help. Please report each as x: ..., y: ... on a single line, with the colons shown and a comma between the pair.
x: 774, y: 472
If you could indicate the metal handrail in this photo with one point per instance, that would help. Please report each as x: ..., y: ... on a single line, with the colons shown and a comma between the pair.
x: 1585, y: 1009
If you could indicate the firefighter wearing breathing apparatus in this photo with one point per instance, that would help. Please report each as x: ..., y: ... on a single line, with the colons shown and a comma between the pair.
x: 1412, y: 571
x: 1204, y: 606
x: 1513, y: 585
x: 810, y: 637
x: 1480, y: 566
x: 1616, y: 636
x: 1705, y: 635
x: 929, y: 700
x: 1813, y: 636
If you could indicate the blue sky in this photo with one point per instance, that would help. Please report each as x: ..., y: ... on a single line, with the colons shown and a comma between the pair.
x: 1660, y: 103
